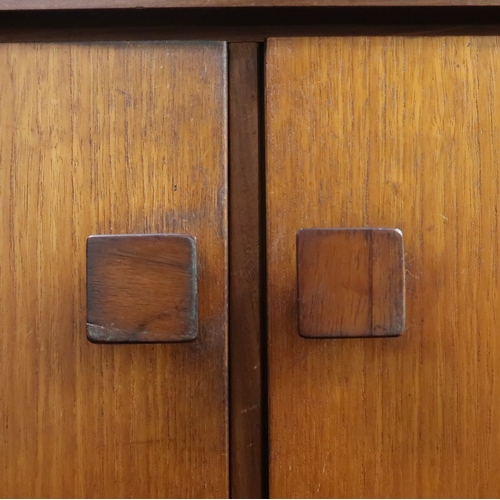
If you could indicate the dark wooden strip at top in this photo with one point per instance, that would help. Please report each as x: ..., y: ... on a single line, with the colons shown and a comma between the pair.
x: 151, y: 4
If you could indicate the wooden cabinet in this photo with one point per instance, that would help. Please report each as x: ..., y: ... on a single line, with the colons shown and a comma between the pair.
x: 401, y: 133
x: 116, y: 137
x: 109, y: 138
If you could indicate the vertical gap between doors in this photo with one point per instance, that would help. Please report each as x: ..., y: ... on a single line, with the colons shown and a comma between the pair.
x: 263, y: 268
x: 248, y: 429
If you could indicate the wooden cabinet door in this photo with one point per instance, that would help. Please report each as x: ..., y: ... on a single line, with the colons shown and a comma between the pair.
x: 109, y: 138
x: 400, y: 133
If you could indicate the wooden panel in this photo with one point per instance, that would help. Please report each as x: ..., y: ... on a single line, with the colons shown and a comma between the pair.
x: 108, y: 139
x: 246, y: 260
x: 142, y: 288
x: 144, y: 4
x: 350, y: 283
x: 388, y: 132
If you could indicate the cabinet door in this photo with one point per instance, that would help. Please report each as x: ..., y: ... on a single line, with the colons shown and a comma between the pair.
x: 400, y: 133
x: 109, y: 138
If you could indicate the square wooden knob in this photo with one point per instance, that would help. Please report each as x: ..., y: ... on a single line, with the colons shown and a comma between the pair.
x: 141, y: 288
x: 350, y: 283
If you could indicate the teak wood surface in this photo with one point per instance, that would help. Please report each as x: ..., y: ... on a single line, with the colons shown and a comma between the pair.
x: 388, y: 132
x: 100, y: 139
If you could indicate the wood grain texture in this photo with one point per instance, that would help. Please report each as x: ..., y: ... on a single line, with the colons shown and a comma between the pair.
x: 388, y: 132
x: 350, y: 283
x: 142, y: 288
x: 247, y: 412
x: 109, y: 139
x: 148, y: 4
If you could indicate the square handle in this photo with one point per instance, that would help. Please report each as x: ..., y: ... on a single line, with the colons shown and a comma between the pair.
x: 350, y: 283
x: 141, y: 288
